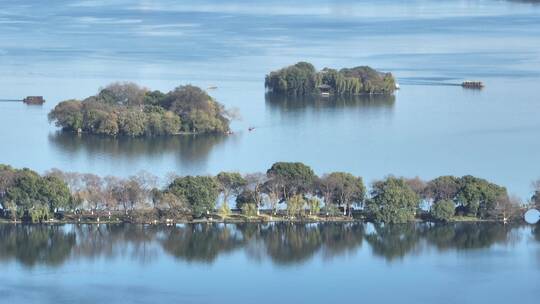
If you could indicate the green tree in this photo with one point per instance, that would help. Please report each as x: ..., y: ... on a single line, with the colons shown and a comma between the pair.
x: 302, y: 79
x: 29, y: 188
x: 291, y: 179
x: 132, y: 122
x: 478, y: 197
x: 230, y: 184
x: 200, y: 192
x: 443, y: 210
x: 127, y: 109
x: 68, y: 115
x: 392, y: 201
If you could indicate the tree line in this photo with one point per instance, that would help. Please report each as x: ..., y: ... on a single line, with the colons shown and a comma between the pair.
x: 287, y: 189
x: 303, y: 79
x: 130, y: 110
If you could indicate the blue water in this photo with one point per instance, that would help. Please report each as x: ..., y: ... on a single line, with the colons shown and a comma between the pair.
x: 270, y: 263
x: 68, y: 49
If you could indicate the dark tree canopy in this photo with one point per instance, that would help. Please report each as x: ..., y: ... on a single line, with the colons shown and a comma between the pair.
x: 291, y: 178
x: 302, y: 79
x: 393, y: 201
x: 200, y: 192
x: 127, y: 109
x: 478, y: 196
x: 28, y: 193
x: 443, y: 210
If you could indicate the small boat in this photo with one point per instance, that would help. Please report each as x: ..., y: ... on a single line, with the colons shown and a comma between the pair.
x: 397, y: 86
x: 472, y: 84
x: 211, y: 88
x: 251, y: 129
x: 34, y: 100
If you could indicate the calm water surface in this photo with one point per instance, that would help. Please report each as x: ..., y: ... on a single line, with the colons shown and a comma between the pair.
x: 432, y: 127
x: 68, y: 49
x: 270, y: 263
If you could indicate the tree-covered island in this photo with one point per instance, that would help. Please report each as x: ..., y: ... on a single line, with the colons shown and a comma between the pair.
x: 285, y: 192
x: 130, y: 110
x: 303, y: 79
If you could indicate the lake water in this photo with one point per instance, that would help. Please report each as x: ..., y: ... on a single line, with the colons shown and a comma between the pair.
x: 270, y: 263
x: 68, y: 49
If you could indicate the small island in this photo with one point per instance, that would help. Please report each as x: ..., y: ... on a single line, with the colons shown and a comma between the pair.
x: 130, y: 110
x: 303, y: 79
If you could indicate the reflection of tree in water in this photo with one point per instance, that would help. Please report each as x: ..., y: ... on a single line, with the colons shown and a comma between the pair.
x: 291, y: 243
x: 393, y: 241
x: 464, y: 236
x: 189, y: 148
x: 35, y: 245
x: 295, y: 103
x: 111, y: 241
x: 536, y: 232
x: 282, y: 243
x: 288, y: 243
x: 200, y: 242
x: 341, y: 238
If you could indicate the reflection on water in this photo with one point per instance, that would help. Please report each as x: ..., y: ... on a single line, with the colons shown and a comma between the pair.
x: 36, y: 245
x: 299, y: 103
x: 188, y: 148
x: 281, y: 243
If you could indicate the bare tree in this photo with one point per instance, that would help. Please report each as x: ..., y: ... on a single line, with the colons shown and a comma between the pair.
x: 506, y: 208
x: 535, y: 200
x: 273, y: 189
x: 255, y: 183
x: 93, y: 190
x: 417, y: 185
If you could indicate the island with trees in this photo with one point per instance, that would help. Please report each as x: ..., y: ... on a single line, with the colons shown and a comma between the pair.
x: 285, y: 192
x: 302, y: 79
x: 130, y: 110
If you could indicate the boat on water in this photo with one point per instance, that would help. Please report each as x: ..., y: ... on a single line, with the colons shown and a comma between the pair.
x: 472, y: 84
x: 34, y: 100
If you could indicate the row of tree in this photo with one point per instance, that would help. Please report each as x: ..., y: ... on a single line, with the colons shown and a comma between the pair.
x: 131, y: 110
x: 303, y: 79
x: 286, y: 188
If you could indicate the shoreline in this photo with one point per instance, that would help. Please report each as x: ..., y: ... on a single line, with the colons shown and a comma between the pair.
x: 237, y: 219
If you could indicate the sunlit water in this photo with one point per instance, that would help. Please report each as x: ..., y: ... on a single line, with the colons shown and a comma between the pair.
x: 270, y: 263
x: 68, y: 49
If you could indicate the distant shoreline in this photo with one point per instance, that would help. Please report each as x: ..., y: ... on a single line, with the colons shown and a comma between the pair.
x: 236, y: 218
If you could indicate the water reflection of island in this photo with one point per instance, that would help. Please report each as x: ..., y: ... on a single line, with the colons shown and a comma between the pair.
x: 295, y: 103
x: 282, y: 243
x: 188, y: 148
